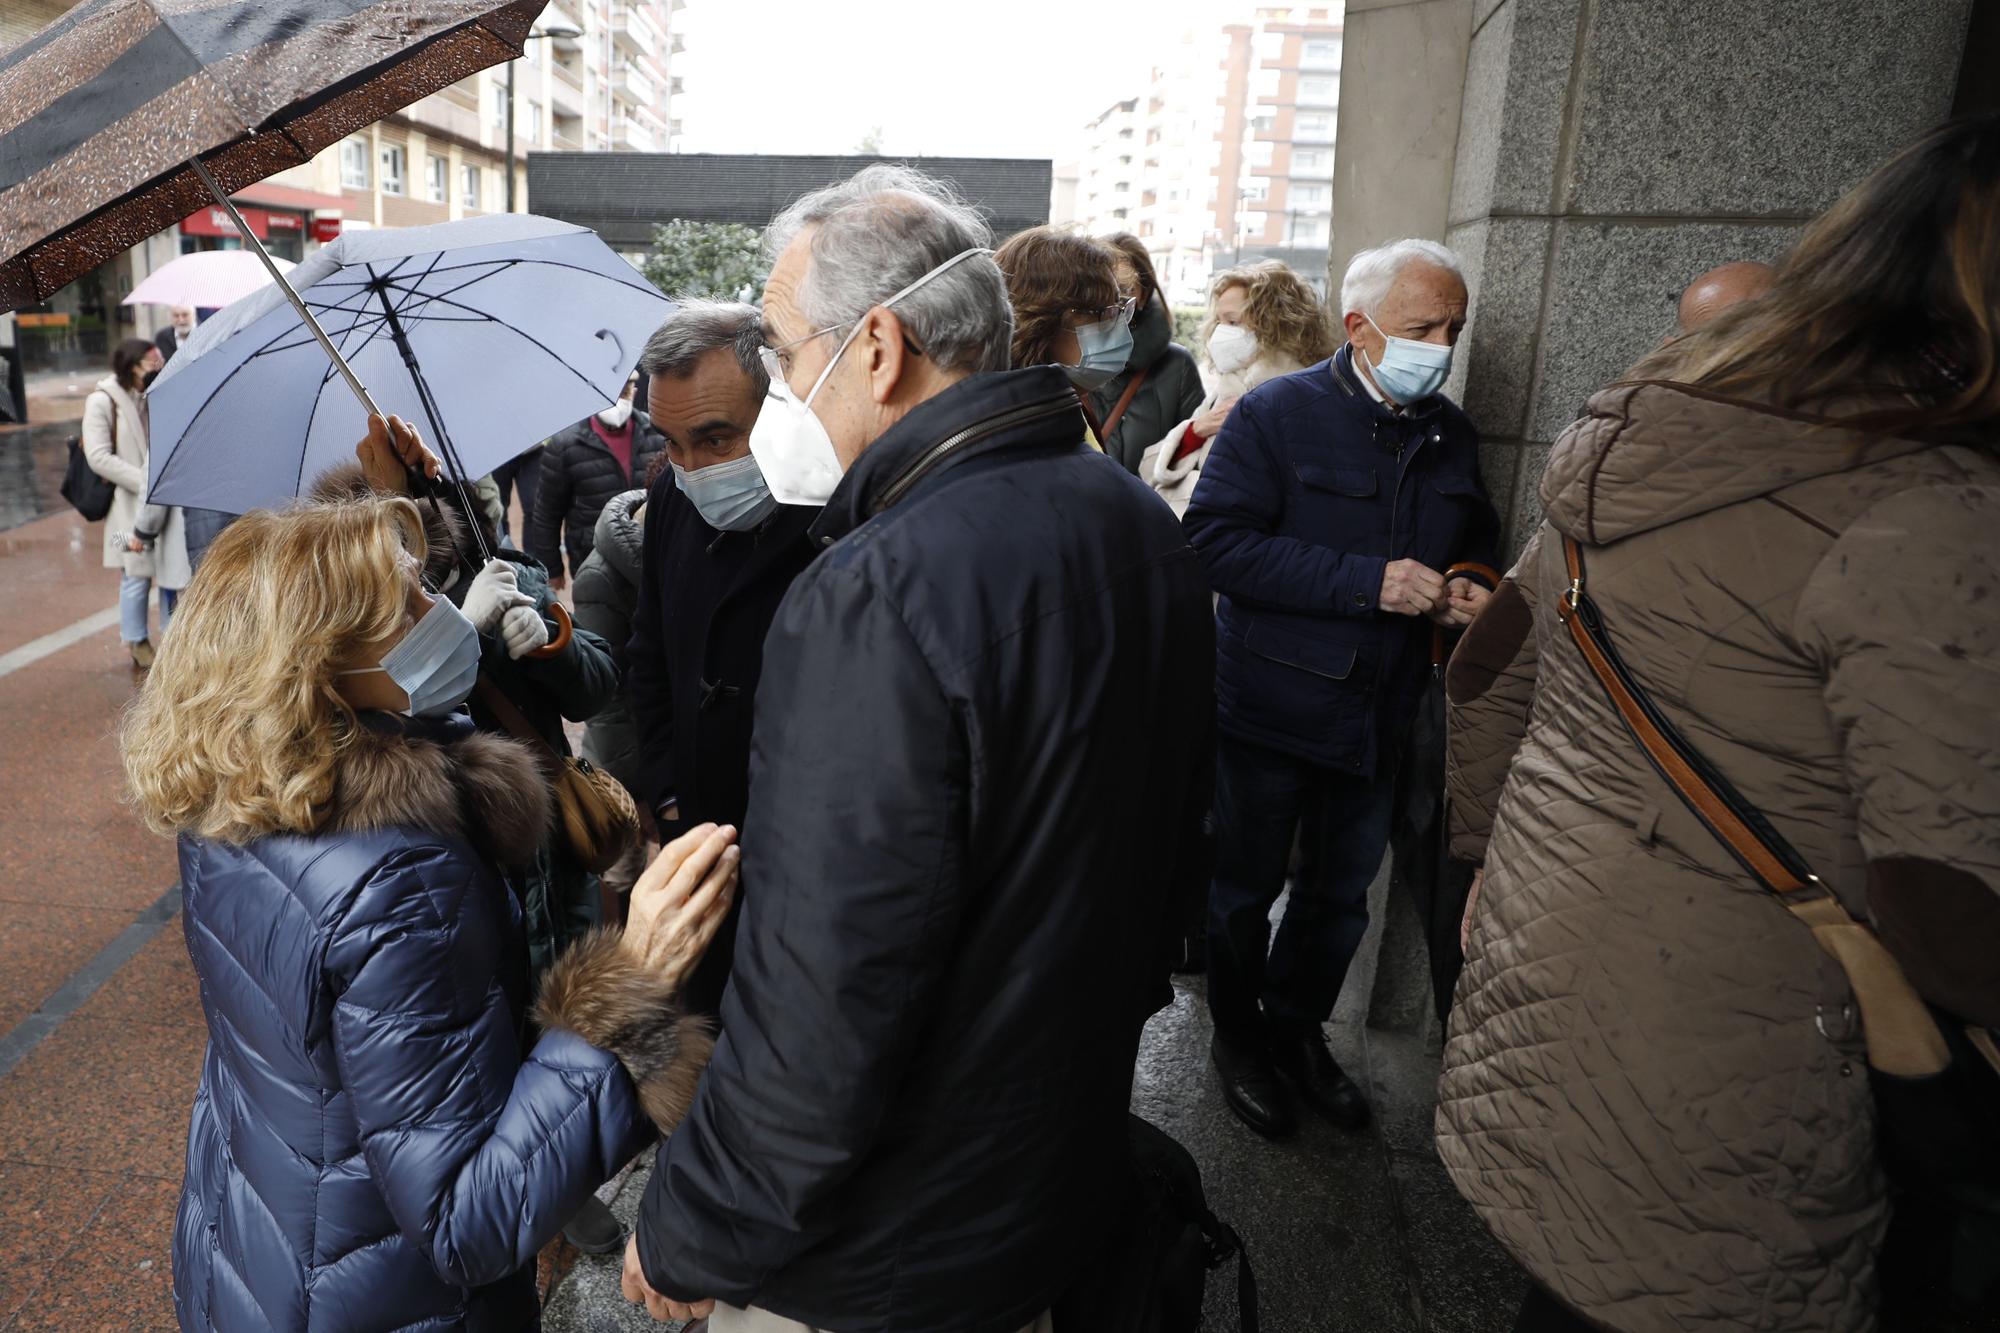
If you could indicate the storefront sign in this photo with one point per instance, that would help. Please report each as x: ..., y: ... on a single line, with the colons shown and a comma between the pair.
x: 261, y: 221
x: 325, y: 229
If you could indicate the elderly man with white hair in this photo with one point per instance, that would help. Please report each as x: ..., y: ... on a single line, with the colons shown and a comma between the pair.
x: 1335, y: 512
x: 965, y: 818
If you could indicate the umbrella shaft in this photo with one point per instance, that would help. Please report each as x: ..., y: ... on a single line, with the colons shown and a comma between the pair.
x: 298, y: 304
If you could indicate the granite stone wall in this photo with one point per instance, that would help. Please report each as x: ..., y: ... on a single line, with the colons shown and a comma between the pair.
x: 1611, y: 150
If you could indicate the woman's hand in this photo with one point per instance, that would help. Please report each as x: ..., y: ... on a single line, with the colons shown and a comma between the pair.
x: 1209, y: 424
x: 681, y: 899
x: 134, y: 545
x: 391, y: 448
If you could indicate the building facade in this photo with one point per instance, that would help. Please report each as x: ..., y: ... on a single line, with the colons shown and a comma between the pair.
x: 1226, y: 157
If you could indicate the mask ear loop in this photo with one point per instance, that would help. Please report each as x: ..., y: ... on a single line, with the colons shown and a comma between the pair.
x: 852, y: 333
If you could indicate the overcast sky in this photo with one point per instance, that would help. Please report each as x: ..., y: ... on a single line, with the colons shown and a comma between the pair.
x: 998, y: 78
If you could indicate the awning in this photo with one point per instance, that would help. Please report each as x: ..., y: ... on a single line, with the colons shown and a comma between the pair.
x: 266, y: 195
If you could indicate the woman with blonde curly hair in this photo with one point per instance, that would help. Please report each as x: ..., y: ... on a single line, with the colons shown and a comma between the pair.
x: 372, y: 1143
x: 1263, y: 322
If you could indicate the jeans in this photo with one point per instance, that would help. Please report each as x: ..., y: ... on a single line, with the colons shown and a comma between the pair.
x: 1262, y: 798
x: 132, y: 593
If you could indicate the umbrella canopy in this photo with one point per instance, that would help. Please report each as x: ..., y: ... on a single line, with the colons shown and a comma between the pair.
x: 488, y: 334
x: 209, y: 280
x: 102, y: 112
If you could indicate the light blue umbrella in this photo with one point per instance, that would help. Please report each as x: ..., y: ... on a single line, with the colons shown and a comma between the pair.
x: 489, y: 335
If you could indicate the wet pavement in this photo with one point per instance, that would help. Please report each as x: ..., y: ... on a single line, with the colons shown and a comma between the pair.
x: 101, y: 1031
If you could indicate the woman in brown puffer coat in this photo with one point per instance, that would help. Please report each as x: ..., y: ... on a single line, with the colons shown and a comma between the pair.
x: 1650, y: 1090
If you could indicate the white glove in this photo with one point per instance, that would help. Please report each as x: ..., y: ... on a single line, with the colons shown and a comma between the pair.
x: 491, y: 595
x: 523, y: 630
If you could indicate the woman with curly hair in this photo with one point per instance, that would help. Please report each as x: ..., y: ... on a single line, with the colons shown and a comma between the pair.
x: 373, y: 1142
x: 1263, y: 322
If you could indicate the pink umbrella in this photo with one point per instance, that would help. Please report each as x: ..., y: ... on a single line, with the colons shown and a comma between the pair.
x: 205, y: 281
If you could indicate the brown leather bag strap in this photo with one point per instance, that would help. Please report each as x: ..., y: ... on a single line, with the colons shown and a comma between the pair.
x: 1902, y: 1036
x: 1118, y: 412
x: 513, y: 719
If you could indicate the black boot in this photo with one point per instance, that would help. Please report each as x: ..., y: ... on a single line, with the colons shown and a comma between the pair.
x: 1305, y: 1060
x: 594, y: 1230
x: 1251, y: 1088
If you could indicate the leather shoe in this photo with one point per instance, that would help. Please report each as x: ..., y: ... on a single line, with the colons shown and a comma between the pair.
x: 1252, y: 1090
x: 594, y: 1230
x: 1321, y: 1081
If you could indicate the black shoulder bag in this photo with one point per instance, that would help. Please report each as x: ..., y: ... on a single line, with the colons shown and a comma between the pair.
x: 88, y: 493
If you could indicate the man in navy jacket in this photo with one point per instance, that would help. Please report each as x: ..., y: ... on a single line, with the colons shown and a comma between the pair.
x: 1332, y: 506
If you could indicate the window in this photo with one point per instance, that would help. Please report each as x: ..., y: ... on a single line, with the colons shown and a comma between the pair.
x: 1265, y: 86
x: 1264, y: 122
x: 1319, y: 90
x: 1270, y: 47
x: 500, y: 108
x: 436, y: 176
x: 1257, y: 190
x: 354, y: 162
x: 1310, y: 196
x: 394, y: 163
x: 1311, y: 162
x: 1321, y: 55
x: 1309, y: 231
x: 469, y: 193
x: 1260, y: 153
x: 1313, y: 127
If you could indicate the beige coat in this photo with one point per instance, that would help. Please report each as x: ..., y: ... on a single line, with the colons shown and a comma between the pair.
x: 1175, y: 479
x: 120, y: 457
x: 1649, y: 1091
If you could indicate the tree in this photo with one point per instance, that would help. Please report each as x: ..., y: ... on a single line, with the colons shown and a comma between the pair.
x: 718, y: 260
x: 871, y: 143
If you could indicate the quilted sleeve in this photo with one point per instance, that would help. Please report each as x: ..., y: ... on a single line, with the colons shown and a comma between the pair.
x: 481, y: 1154
x: 1489, y: 687
x: 1903, y: 615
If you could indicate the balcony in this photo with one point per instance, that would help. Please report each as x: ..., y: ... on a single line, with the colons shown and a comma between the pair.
x: 566, y: 93
x: 633, y: 30
x: 630, y: 136
x: 630, y: 82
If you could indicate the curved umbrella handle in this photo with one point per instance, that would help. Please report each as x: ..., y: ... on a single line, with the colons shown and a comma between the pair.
x: 560, y: 614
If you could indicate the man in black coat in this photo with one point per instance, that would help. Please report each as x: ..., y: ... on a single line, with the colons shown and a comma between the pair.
x: 719, y: 554
x: 581, y: 470
x: 972, y: 783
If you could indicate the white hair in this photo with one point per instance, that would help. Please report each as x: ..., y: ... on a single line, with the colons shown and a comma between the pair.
x: 1372, y: 273
x: 879, y: 231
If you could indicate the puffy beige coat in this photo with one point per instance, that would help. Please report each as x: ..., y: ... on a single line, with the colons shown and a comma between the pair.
x: 120, y: 456
x: 1651, y: 1093
x: 1174, y: 478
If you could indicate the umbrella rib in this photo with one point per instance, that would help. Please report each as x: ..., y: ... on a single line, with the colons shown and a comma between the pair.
x: 502, y: 324
x: 645, y: 287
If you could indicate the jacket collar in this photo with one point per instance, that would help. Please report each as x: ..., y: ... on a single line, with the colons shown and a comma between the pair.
x: 979, y: 415
x: 444, y: 776
x: 1348, y: 380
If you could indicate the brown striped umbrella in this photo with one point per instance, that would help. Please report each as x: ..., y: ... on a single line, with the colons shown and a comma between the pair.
x: 104, y: 112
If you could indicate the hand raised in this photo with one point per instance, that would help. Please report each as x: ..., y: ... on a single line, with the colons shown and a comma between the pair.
x: 681, y: 899
x: 387, y: 452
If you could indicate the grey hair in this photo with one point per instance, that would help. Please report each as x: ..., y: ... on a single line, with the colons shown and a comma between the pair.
x: 879, y: 231
x: 1372, y: 273
x: 698, y: 328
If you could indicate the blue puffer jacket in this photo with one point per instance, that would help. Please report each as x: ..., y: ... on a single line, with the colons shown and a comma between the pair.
x: 1311, y: 489
x: 372, y: 1146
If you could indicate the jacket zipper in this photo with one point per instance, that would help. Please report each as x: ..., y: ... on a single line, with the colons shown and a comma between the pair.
x: 942, y: 450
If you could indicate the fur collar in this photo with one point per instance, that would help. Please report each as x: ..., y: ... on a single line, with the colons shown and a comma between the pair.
x: 487, y: 789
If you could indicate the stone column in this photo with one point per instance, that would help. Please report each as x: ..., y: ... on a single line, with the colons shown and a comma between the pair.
x: 1611, y: 150
x: 1402, y: 66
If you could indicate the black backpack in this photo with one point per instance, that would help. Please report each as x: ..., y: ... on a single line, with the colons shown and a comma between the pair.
x: 1151, y: 1277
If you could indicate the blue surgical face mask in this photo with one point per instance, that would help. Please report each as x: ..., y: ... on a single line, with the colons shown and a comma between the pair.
x: 1105, y: 346
x: 731, y: 497
x: 437, y: 662
x: 1409, y: 371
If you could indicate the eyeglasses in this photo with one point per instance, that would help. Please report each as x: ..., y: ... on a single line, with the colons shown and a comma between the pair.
x: 1122, y: 311
x: 778, y: 360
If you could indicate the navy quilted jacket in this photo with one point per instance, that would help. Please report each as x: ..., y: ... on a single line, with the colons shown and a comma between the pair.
x: 1310, y: 490
x: 374, y: 1146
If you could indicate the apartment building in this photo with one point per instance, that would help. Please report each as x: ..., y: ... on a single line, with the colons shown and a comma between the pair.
x: 1226, y: 157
